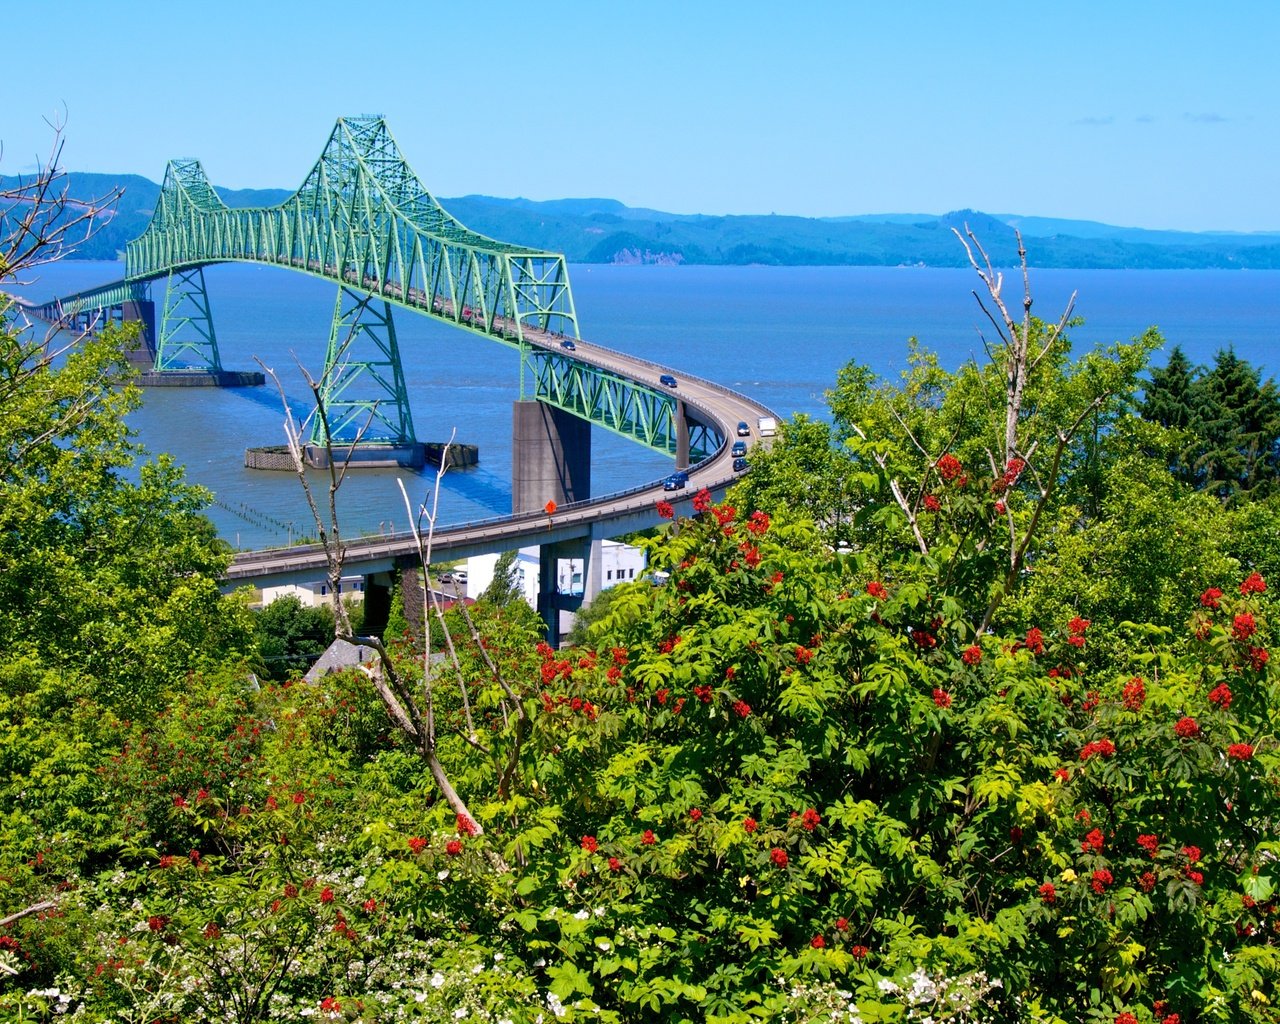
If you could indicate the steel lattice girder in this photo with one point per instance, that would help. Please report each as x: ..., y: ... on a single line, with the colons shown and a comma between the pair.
x: 363, y: 390
x: 86, y: 307
x: 363, y: 218
x: 638, y: 413
x: 187, y: 338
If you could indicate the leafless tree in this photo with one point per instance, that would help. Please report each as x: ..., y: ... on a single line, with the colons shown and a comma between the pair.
x: 410, y: 708
x: 39, y: 222
x: 1019, y: 353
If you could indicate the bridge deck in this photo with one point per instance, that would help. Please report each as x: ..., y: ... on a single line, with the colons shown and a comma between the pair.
x: 609, y: 514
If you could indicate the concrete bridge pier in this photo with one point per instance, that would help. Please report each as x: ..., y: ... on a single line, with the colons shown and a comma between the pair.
x: 141, y: 311
x: 377, y: 603
x: 569, y: 576
x: 551, y: 461
x: 550, y: 457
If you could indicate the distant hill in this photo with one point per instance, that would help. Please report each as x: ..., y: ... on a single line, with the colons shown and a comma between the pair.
x: 606, y: 231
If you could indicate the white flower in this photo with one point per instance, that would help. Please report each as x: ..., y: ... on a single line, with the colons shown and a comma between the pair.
x: 581, y: 915
x: 437, y: 980
x: 359, y: 882
x: 599, y: 911
x: 497, y: 959
x: 421, y: 997
x: 442, y: 875
x: 459, y: 1013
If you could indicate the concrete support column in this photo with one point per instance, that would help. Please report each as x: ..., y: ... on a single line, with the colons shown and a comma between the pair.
x: 682, y: 437
x: 550, y: 456
x: 142, y: 311
x: 377, y: 604
x: 593, y: 571
x: 552, y: 603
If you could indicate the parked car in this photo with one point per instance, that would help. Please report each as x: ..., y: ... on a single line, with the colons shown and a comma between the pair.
x: 676, y: 481
x: 739, y: 449
x: 739, y: 465
x: 743, y: 429
x: 667, y: 380
x: 568, y: 343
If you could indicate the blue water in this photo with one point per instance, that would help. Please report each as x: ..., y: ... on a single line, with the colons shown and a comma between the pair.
x: 778, y: 334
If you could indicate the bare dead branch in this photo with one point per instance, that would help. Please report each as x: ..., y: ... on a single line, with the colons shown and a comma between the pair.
x: 39, y: 222
x: 35, y: 908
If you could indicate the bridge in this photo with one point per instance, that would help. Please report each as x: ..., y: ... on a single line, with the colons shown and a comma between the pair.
x: 364, y: 221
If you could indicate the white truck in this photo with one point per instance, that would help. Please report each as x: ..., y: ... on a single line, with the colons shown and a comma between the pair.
x: 768, y: 426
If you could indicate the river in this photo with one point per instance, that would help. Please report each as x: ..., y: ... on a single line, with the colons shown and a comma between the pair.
x: 778, y: 334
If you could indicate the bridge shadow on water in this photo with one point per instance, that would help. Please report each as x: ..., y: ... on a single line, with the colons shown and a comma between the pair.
x: 267, y: 397
x: 478, y: 487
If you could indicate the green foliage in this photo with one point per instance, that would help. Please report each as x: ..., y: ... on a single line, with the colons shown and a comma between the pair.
x: 504, y: 588
x: 960, y: 708
x: 1229, y: 420
x: 291, y: 636
x: 100, y: 574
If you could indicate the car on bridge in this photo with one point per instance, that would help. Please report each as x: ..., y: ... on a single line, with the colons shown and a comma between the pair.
x: 568, y: 344
x: 739, y: 465
x: 743, y: 429
x: 676, y: 481
x: 667, y: 380
x: 739, y: 449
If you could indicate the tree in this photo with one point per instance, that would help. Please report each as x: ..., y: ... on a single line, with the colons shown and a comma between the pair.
x: 1227, y: 420
x: 806, y: 472
x: 39, y: 222
x: 1239, y: 430
x: 291, y: 636
x: 109, y: 574
x: 504, y: 588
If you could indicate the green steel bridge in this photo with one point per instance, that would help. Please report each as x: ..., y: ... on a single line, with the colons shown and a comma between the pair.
x: 364, y: 220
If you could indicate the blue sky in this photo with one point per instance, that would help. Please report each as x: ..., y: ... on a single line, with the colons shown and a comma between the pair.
x: 1158, y: 115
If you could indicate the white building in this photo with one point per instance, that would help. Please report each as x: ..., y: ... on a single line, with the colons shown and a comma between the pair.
x: 619, y: 563
x: 316, y: 593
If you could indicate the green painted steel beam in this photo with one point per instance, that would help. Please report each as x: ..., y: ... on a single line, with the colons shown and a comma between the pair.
x: 363, y: 388
x: 187, y: 339
x: 641, y: 414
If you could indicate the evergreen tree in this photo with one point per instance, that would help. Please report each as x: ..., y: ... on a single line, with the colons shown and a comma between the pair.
x: 504, y: 587
x: 1239, y: 429
x: 1172, y: 400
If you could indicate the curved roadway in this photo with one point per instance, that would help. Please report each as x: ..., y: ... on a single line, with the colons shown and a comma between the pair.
x: 620, y: 512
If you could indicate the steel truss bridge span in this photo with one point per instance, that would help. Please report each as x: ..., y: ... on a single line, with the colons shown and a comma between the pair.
x: 363, y: 220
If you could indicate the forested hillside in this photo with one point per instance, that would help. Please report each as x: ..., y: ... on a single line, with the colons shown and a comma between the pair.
x: 605, y: 231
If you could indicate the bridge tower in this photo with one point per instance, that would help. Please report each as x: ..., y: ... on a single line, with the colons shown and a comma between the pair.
x: 187, y: 340
x: 362, y: 389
